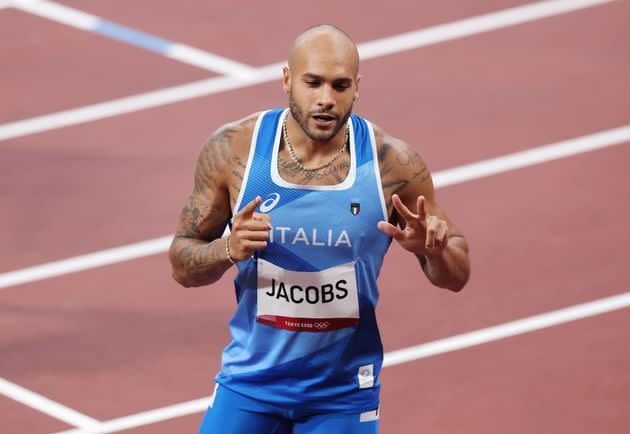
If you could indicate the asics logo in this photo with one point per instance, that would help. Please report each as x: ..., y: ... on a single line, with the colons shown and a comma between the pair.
x: 269, y: 203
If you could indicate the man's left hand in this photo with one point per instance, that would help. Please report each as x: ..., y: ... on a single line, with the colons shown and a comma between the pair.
x: 423, y: 233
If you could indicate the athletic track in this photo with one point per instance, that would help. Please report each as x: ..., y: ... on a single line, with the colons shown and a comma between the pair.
x: 105, y: 106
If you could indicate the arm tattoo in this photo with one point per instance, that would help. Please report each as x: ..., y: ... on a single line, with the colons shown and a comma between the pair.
x: 198, y: 251
x: 198, y: 263
x: 190, y: 218
x: 412, y: 163
x: 197, y: 218
x: 407, y: 157
x: 213, y: 158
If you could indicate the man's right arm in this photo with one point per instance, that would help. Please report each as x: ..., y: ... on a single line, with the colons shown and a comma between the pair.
x: 197, y: 253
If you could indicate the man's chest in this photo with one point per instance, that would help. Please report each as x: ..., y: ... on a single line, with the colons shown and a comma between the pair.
x: 289, y: 172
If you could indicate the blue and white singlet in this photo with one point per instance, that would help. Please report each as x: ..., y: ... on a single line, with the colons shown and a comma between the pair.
x: 304, y: 333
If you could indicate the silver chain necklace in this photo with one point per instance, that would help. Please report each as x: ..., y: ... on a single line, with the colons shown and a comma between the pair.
x: 298, y: 162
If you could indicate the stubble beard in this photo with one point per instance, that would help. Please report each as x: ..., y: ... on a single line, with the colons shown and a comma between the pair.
x: 298, y: 115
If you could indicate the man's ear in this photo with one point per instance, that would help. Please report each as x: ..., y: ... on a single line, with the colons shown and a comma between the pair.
x: 356, y: 91
x: 286, y: 79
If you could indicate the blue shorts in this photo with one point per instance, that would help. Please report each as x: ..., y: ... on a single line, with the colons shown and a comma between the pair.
x: 232, y: 413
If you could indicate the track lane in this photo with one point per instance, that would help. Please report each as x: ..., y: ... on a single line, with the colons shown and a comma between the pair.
x: 419, y: 38
x: 453, y: 176
x: 54, y: 67
x: 217, y: 28
x: 570, y: 378
x: 451, y: 131
x: 404, y: 355
x: 535, y: 246
x: 108, y: 344
x: 487, y: 300
x: 500, y: 92
x: 16, y: 418
x: 117, y: 181
x: 184, y: 424
x: 121, y: 327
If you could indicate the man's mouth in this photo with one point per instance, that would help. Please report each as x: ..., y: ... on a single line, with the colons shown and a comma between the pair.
x: 324, y: 119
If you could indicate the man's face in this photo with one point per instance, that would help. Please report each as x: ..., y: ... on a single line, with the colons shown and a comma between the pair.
x: 322, y: 84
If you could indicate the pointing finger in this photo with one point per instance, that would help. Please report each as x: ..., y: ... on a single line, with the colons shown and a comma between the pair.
x: 248, y: 210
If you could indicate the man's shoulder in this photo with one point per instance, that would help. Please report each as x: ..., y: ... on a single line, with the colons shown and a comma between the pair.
x: 232, y: 137
x: 398, y: 160
x: 388, y: 146
x: 242, y: 128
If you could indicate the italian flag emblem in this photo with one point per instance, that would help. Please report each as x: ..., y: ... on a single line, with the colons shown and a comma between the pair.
x: 355, y: 208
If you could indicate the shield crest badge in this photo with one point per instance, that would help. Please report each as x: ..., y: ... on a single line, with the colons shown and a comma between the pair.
x: 355, y: 207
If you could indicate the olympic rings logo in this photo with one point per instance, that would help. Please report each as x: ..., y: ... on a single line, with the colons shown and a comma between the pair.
x: 321, y: 325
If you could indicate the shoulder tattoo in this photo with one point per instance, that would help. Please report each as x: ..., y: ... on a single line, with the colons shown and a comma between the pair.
x: 400, y: 166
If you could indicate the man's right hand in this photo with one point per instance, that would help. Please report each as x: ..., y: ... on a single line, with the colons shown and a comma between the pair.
x: 250, y: 231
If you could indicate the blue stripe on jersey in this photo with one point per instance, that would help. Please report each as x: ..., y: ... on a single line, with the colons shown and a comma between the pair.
x: 316, y: 371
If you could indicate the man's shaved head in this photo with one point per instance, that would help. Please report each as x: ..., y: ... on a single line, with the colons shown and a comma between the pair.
x: 328, y: 38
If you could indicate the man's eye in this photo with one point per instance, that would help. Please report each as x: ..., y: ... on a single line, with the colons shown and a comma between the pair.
x: 312, y: 83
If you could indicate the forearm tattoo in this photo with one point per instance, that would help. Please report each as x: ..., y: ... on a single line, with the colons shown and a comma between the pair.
x: 194, y: 258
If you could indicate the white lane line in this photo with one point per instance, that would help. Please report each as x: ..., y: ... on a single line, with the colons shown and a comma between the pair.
x: 129, y: 104
x: 45, y: 405
x: 86, y: 262
x: 88, y: 22
x: 59, y: 13
x: 509, y: 329
x: 146, y: 417
x: 473, y: 26
x: 517, y: 160
x: 209, y: 61
x: 397, y: 357
x: 373, y: 49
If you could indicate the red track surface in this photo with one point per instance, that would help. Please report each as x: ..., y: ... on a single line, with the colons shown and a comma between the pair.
x: 52, y: 67
x: 123, y: 339
x: 218, y: 27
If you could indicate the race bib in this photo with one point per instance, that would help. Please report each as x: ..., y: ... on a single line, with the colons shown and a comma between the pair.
x: 307, y: 301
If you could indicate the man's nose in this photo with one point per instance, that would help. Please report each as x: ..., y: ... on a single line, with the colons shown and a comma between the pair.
x: 325, y: 97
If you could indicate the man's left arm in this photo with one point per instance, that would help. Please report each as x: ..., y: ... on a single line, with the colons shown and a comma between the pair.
x: 422, y: 228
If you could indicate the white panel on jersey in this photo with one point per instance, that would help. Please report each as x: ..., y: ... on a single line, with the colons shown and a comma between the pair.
x: 369, y: 416
x: 366, y: 376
